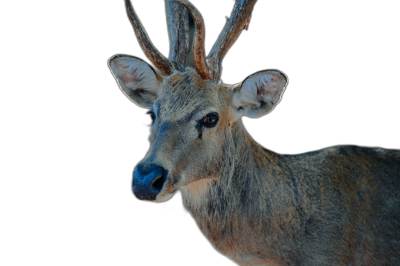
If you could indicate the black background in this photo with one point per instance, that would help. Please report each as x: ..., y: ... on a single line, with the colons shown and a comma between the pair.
x: 342, y: 64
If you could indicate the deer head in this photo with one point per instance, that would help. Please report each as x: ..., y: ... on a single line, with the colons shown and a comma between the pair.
x: 196, y: 118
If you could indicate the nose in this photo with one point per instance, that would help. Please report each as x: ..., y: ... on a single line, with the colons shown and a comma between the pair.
x: 148, y: 180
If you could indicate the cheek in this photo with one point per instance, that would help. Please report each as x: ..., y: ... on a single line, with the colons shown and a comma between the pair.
x: 216, y: 138
x: 195, y: 155
x: 209, y: 153
x: 183, y: 150
x: 195, y: 160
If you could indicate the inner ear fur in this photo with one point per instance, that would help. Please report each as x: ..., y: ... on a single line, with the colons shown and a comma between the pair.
x: 259, y: 93
x: 136, y: 79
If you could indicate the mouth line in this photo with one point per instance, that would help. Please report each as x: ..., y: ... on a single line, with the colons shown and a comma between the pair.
x: 169, y: 191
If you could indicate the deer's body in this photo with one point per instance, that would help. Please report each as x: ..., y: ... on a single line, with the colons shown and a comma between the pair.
x: 336, y: 206
x: 329, y: 207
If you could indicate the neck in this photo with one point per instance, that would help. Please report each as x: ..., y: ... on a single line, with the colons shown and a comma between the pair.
x: 225, y: 208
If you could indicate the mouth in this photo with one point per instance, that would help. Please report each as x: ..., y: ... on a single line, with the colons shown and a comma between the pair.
x: 168, y: 190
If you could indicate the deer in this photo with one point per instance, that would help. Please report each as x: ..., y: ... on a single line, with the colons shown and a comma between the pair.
x: 335, y: 206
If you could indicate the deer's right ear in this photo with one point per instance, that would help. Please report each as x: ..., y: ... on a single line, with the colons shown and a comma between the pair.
x: 136, y: 79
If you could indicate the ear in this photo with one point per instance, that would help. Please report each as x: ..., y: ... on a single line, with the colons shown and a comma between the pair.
x: 136, y: 79
x: 259, y: 93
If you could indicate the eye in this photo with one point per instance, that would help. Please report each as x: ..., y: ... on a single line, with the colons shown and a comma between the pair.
x: 152, y: 115
x: 210, y: 120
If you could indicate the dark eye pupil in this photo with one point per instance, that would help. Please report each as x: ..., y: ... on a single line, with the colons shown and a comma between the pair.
x: 210, y: 120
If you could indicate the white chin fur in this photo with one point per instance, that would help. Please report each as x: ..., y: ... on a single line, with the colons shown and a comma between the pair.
x: 162, y: 197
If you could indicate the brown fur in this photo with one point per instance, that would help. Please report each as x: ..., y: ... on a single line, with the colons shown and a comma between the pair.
x: 244, y: 199
x: 335, y: 206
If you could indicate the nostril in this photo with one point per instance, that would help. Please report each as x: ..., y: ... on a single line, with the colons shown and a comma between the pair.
x: 159, y: 182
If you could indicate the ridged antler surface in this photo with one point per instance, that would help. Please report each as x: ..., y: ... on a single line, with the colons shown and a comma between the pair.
x: 211, y: 67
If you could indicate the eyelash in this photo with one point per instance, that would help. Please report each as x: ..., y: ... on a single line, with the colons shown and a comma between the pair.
x: 152, y: 116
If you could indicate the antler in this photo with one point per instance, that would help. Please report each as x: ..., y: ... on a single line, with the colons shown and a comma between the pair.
x: 199, y: 56
x: 239, y: 20
x: 178, y: 29
x: 211, y: 67
x: 159, y: 60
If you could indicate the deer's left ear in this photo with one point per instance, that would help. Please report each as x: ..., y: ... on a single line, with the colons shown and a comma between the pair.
x: 259, y: 93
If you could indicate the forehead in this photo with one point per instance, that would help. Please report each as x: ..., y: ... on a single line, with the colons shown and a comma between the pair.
x: 186, y: 93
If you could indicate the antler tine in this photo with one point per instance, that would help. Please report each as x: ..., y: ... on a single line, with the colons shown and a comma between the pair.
x: 178, y: 31
x: 239, y: 20
x: 199, y: 56
x: 160, y: 61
